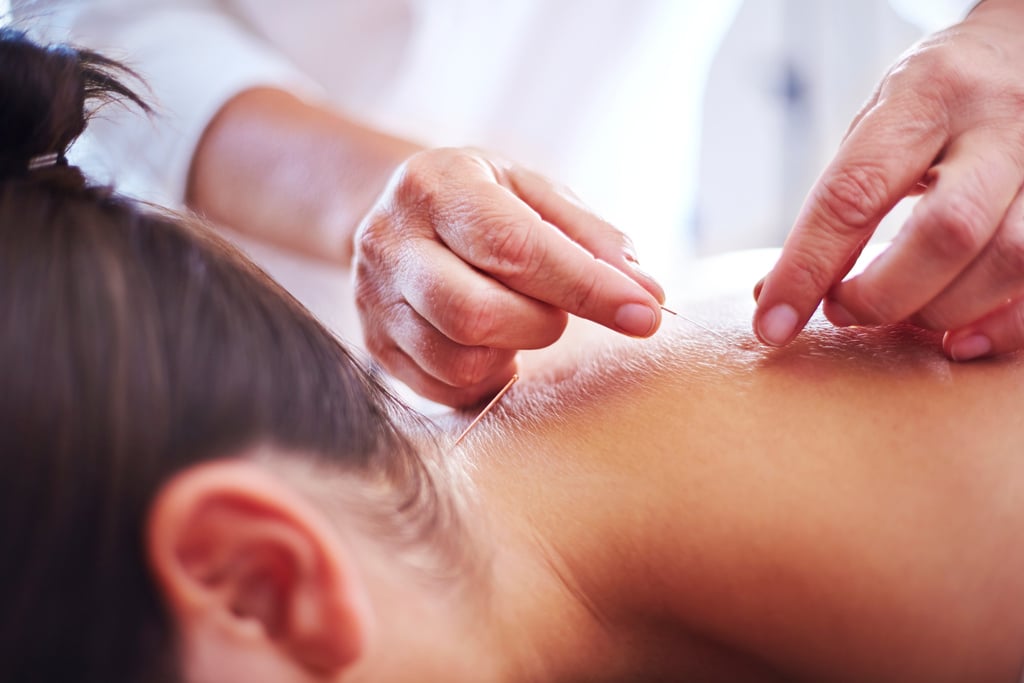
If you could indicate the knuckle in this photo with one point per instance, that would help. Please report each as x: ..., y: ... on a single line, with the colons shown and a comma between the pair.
x: 412, y: 181
x: 876, y: 307
x: 552, y: 330
x: 584, y: 294
x: 367, y: 290
x: 937, y: 69
x: 442, y: 166
x: 1009, y: 257
x: 471, y: 366
x: 957, y: 227
x: 470, y: 319
x: 370, y: 291
x: 942, y: 65
x: 854, y: 197
x: 947, y: 81
x: 419, y: 183
x: 808, y: 273
x: 512, y: 248
x: 372, y: 239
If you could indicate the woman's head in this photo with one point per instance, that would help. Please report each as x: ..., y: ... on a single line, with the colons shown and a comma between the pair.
x: 134, y: 348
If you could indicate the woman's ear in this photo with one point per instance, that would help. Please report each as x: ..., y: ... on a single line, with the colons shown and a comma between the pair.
x: 259, y: 583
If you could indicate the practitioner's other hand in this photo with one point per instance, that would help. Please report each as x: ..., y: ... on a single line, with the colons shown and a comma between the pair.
x: 467, y: 258
x: 947, y: 120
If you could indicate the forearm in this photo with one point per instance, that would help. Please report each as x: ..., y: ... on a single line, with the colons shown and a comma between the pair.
x: 275, y: 167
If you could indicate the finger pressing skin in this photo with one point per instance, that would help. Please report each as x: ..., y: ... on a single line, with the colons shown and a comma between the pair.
x: 883, y: 158
x: 559, y: 207
x: 1000, y: 332
x: 994, y: 278
x: 501, y: 236
x: 970, y: 193
x: 472, y: 309
x: 847, y: 267
x: 408, y: 371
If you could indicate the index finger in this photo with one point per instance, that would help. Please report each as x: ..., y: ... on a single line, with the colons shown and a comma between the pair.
x: 559, y: 207
x: 880, y: 162
x: 503, y: 237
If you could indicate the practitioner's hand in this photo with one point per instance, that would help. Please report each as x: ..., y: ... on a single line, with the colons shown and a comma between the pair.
x: 466, y: 259
x: 950, y: 117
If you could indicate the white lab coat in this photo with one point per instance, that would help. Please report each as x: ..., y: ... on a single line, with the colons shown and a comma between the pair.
x: 600, y: 94
x: 789, y: 77
x: 603, y: 95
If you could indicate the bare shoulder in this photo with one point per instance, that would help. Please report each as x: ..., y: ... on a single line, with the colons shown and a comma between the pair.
x: 854, y: 497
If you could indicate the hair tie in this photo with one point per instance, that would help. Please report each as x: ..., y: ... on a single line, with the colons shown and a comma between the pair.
x: 46, y: 161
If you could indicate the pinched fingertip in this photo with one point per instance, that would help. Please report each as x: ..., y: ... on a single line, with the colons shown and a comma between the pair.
x: 967, y: 347
x: 637, y: 320
x: 778, y: 325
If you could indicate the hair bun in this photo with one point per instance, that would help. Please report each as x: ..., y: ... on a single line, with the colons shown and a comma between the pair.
x: 44, y: 94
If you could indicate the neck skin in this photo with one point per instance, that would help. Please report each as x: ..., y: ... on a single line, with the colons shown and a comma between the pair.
x: 509, y: 607
x: 661, y: 491
x: 572, y: 587
x: 518, y: 612
x: 576, y: 591
x: 643, y: 512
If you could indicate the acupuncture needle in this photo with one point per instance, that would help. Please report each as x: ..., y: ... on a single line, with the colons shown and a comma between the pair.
x: 515, y: 377
x: 694, y: 322
x: 486, y: 409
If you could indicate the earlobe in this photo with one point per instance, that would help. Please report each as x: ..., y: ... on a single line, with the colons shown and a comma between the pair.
x: 241, y: 558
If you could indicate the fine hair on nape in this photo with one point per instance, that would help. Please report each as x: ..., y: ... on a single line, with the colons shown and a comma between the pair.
x: 134, y: 344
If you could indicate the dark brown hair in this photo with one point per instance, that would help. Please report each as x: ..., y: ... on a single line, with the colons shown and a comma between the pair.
x: 132, y: 345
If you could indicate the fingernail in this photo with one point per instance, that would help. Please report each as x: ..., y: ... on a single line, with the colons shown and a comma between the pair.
x: 636, y: 319
x: 969, y: 348
x: 777, y: 325
x: 838, y: 315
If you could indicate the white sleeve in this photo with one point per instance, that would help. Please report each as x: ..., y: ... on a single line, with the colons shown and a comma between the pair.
x: 193, y: 55
x: 933, y: 15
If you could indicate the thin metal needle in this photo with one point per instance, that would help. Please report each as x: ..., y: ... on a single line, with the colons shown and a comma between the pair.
x: 694, y: 322
x: 486, y: 409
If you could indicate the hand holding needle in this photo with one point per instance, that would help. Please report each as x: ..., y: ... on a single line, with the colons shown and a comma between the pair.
x: 486, y: 409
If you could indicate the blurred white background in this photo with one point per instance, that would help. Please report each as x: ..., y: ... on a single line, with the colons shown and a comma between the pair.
x: 717, y: 127
x: 788, y: 78
x: 711, y: 131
